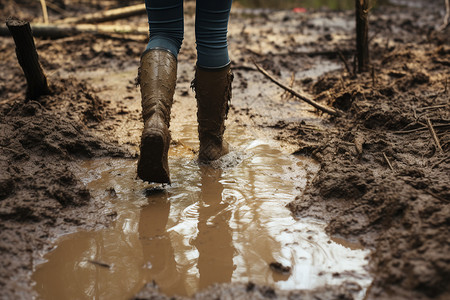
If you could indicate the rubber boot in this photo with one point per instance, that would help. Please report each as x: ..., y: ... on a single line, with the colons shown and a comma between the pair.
x: 213, y: 93
x: 157, y: 78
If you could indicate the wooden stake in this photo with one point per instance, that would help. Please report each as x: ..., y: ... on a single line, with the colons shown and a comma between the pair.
x: 28, y: 58
x: 362, y: 34
x: 433, y: 135
x: 321, y: 107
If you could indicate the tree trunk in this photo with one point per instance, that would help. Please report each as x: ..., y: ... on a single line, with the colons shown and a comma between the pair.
x: 362, y: 34
x: 28, y: 58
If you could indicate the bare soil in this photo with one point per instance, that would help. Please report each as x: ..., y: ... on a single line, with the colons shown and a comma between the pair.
x: 383, y: 181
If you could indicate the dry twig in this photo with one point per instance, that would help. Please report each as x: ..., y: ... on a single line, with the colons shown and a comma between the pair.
x: 286, y: 95
x: 388, y: 162
x: 446, y: 17
x: 433, y: 135
x: 347, y: 67
x: 44, y: 11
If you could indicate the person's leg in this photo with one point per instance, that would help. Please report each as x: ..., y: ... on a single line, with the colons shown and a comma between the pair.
x: 211, y: 27
x: 166, y: 25
x: 213, y: 76
x: 157, y: 78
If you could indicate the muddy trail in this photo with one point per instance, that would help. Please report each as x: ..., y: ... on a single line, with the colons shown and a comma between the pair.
x: 305, y: 206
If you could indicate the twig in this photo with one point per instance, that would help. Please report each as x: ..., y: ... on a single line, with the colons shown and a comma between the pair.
x: 44, y: 11
x: 99, y: 263
x: 298, y: 95
x: 435, y: 196
x: 12, y: 150
x: 446, y: 17
x: 388, y: 162
x: 440, y: 162
x: 409, y: 131
x: 56, y: 8
x: 286, y: 95
x: 254, y: 52
x: 419, y: 129
x: 347, y: 67
x: 433, y: 134
x: 432, y: 107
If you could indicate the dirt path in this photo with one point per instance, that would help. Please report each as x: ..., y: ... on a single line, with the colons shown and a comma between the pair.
x: 400, y: 213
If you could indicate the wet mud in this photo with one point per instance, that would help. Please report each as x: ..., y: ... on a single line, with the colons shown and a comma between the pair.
x: 382, y: 183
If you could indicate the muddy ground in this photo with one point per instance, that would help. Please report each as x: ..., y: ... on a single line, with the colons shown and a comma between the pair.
x: 383, y: 181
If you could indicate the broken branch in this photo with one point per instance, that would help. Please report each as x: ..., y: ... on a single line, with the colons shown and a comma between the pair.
x: 321, y: 107
x: 64, y: 30
x: 108, y: 15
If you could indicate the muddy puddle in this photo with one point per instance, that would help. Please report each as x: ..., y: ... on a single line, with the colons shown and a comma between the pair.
x: 214, y: 224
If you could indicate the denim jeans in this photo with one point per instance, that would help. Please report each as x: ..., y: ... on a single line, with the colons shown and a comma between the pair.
x: 166, y: 24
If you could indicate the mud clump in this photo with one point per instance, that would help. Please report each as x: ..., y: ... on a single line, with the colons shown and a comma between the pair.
x: 38, y: 191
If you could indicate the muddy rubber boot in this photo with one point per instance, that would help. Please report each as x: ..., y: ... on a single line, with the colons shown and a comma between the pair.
x: 157, y: 78
x: 213, y: 93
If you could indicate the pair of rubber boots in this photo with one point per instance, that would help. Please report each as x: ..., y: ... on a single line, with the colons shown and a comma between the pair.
x: 157, y: 78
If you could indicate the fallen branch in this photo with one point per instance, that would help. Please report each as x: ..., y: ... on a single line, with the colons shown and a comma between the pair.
x: 64, y: 30
x: 108, y: 15
x: 433, y: 135
x: 321, y: 107
x: 28, y: 58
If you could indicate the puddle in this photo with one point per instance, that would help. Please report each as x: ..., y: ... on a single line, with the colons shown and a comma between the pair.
x: 212, y: 225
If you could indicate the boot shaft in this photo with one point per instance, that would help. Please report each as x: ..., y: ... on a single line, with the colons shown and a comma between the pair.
x: 213, y: 94
x: 157, y: 78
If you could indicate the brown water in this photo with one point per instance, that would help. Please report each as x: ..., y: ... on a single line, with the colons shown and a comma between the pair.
x: 222, y: 223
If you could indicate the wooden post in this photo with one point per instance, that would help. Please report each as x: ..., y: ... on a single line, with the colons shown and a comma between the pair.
x: 362, y: 34
x: 28, y: 58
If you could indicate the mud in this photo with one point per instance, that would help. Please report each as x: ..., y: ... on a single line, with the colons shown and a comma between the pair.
x: 400, y: 214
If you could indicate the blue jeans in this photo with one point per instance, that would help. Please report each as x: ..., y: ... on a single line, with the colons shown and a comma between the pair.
x: 166, y: 24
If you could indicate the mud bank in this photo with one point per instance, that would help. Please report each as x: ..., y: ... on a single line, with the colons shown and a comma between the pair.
x: 40, y: 197
x: 383, y: 180
x: 401, y: 213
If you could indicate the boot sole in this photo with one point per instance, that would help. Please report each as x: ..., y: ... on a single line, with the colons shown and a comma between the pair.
x: 152, y: 164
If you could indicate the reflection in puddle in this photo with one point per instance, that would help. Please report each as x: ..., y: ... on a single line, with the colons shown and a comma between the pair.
x: 211, y: 225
